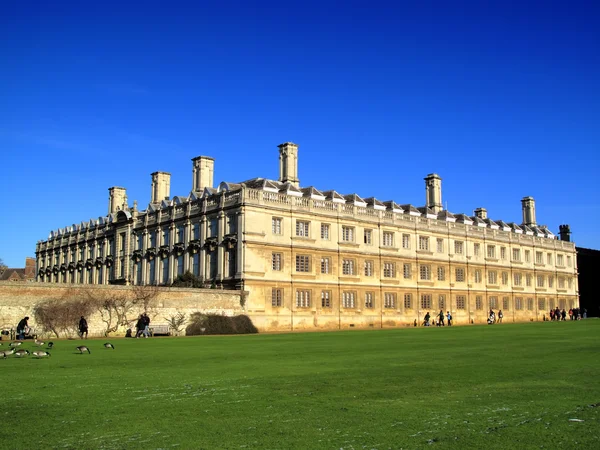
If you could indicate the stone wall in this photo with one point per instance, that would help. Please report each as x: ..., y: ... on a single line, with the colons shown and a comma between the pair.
x: 17, y: 300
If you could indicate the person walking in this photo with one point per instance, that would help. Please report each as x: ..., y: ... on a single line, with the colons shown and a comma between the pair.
x: 146, y: 331
x: 22, y: 328
x: 449, y: 318
x: 441, y: 316
x: 426, y: 319
x: 500, y: 316
x: 139, y: 326
x: 83, y: 328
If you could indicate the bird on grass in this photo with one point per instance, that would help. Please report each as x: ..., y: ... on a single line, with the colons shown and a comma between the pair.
x: 6, y: 353
x: 41, y: 354
x: 15, y: 344
x: 109, y: 345
x: 21, y: 352
x: 50, y: 344
x: 40, y: 343
x: 83, y: 348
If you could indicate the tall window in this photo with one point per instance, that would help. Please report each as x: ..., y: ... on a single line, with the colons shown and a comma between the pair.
x: 460, y: 302
x: 440, y: 245
x: 492, y: 277
x: 542, y: 304
x: 302, y: 263
x: 505, y: 278
x: 276, y: 261
x: 369, y: 300
x: 550, y: 281
x: 441, y: 272
x: 423, y: 243
x: 502, y: 252
x: 540, y: 281
x: 530, y: 304
x: 516, y: 254
x: 180, y: 233
x: 549, y: 258
x: 389, y: 270
x: 406, y: 271
x: 476, y: 249
x: 325, y: 265
x: 528, y: 280
x: 560, y: 260
x: 477, y: 276
x: 458, y: 247
x: 460, y: 274
x: 407, y: 301
x: 389, y: 300
x: 505, y: 303
x: 276, y: 225
x: 152, y: 272
x: 568, y: 261
x: 196, y: 264
x: 348, y: 266
x: 493, y: 302
x: 325, y: 231
x: 152, y: 240
x: 302, y: 228
x: 165, y: 272
x: 231, y: 224
x: 213, y: 227
x: 140, y: 241
x: 406, y: 241
x: 276, y: 297
x: 165, y: 236
x: 180, y: 265
x: 561, y: 283
x: 368, y: 237
x: 539, y: 258
x: 196, y: 230
x: 527, y: 256
x: 303, y: 298
x: 425, y: 272
x: 325, y: 299
x: 518, y: 279
x: 491, y: 251
x: 368, y: 268
x: 479, y: 302
x: 388, y: 239
x: 425, y: 301
x: 347, y: 234
x: 348, y: 299
x: 442, y: 301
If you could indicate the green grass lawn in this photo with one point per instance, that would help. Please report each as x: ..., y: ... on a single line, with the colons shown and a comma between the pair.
x: 502, y: 386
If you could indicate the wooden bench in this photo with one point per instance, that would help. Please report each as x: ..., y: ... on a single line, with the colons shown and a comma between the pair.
x: 163, y: 330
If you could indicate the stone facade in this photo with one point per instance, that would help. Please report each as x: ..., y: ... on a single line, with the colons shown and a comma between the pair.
x: 311, y: 259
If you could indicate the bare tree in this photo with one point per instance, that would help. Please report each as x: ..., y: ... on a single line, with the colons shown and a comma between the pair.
x: 61, y: 316
x: 176, y: 322
x: 145, y: 296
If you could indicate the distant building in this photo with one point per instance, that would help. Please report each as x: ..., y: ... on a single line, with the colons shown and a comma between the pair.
x: 588, y: 262
x: 320, y: 254
x: 21, y: 274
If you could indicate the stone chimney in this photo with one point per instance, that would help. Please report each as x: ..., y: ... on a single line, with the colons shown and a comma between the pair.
x: 117, y: 197
x: 288, y: 163
x: 528, y: 205
x: 203, y: 170
x: 161, y: 187
x: 564, y: 233
x: 481, y: 213
x: 433, y: 192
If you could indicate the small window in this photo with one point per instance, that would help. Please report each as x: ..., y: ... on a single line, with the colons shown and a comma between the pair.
x: 425, y: 301
x: 388, y: 239
x: 460, y: 275
x: 518, y: 303
x: 325, y: 265
x: 477, y: 276
x: 326, y: 299
x: 425, y: 272
x: 349, y: 299
x: 389, y: 270
x: 479, y: 302
x: 276, y: 225
x: 368, y: 237
x: 406, y: 241
x: 527, y: 256
x: 518, y: 279
x: 302, y: 263
x: 407, y: 301
x: 276, y: 297
x: 406, y: 271
x: 460, y: 302
x: 505, y: 303
x: 302, y: 228
x: 493, y: 302
x: 423, y: 243
x: 516, y: 254
x: 303, y: 298
x: 530, y: 304
x: 491, y: 251
x: 476, y: 249
x: 389, y: 300
x: 441, y: 272
x: 348, y: 267
x: 440, y: 245
x: 368, y: 268
x: 276, y: 261
x: 347, y: 234
x: 492, y: 277
x: 325, y: 231
x: 502, y: 252
x: 458, y: 247
x: 369, y: 303
x: 442, y: 301
x: 504, y: 278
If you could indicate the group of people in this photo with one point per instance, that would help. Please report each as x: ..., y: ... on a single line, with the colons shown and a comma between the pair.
x: 574, y: 314
x: 492, y: 318
x: 143, y: 326
x: 438, y: 320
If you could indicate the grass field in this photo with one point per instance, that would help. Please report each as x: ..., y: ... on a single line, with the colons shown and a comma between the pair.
x: 502, y: 386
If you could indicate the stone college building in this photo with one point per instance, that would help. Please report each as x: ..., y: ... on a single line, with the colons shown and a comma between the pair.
x: 312, y: 259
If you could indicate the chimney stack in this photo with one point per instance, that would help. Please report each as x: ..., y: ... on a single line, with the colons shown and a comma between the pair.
x: 481, y: 213
x: 433, y: 192
x: 528, y: 206
x: 161, y: 187
x: 203, y: 169
x: 565, y: 233
x: 117, y: 197
x: 288, y: 163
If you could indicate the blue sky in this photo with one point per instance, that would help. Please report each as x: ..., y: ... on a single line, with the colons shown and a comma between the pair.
x: 500, y: 98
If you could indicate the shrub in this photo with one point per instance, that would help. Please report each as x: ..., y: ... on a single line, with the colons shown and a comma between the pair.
x: 201, y: 323
x: 187, y: 280
x: 61, y: 316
